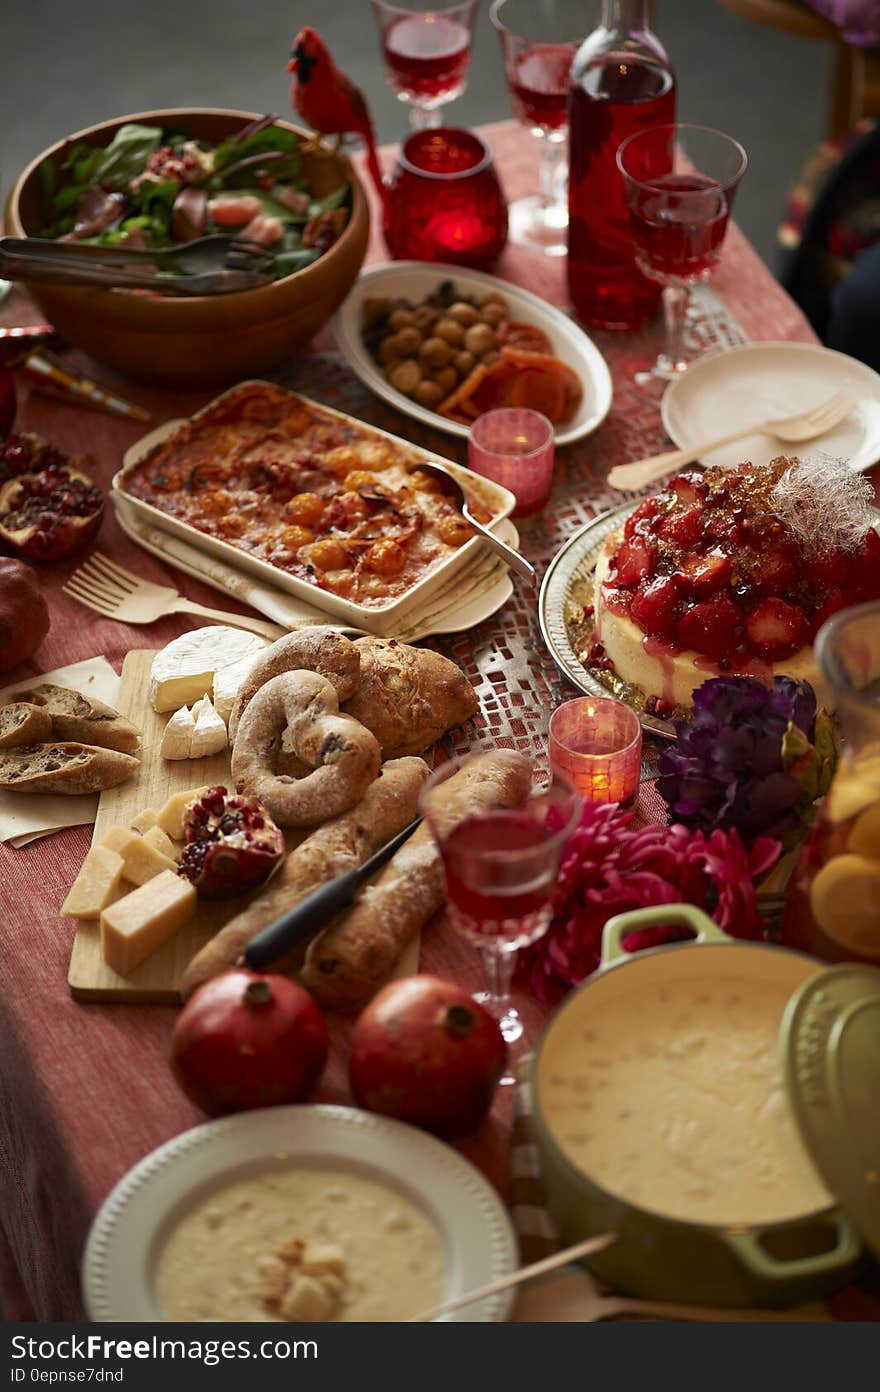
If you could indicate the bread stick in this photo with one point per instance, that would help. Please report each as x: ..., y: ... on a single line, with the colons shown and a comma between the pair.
x: 389, y: 804
x: 351, y: 958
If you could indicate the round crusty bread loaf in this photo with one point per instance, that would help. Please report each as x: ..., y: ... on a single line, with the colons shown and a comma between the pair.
x: 408, y: 697
x: 66, y: 768
x: 23, y: 723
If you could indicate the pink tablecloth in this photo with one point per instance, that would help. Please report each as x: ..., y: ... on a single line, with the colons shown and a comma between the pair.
x: 85, y: 1091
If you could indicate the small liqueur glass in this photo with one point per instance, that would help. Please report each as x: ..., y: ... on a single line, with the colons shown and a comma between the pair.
x: 539, y: 43
x: 680, y: 182
x: 501, y: 866
x: 444, y: 200
x: 426, y: 50
x: 596, y: 743
x: 516, y: 448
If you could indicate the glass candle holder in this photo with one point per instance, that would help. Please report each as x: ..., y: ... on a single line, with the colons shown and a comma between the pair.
x: 516, y: 448
x: 445, y: 202
x: 596, y: 743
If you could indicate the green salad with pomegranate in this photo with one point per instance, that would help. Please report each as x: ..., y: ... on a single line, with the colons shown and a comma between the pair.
x: 152, y: 188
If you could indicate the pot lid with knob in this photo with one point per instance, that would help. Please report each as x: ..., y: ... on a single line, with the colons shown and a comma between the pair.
x: 830, y: 1038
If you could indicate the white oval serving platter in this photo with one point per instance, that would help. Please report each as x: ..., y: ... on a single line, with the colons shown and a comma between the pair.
x: 414, y: 280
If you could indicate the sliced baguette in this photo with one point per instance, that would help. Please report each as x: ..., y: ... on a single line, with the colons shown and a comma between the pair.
x: 78, y: 717
x: 67, y: 768
x: 23, y: 723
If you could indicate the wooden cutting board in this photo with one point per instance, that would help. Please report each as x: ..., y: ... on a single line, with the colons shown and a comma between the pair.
x: 158, y: 978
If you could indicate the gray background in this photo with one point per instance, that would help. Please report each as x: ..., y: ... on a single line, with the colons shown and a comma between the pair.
x: 65, y: 66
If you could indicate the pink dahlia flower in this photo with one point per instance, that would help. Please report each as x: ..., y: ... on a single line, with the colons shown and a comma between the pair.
x: 608, y: 868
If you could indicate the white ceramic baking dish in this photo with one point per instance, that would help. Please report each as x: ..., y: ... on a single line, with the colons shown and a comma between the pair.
x: 383, y: 620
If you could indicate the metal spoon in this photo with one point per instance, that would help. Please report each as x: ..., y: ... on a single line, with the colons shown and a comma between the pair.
x: 453, y: 489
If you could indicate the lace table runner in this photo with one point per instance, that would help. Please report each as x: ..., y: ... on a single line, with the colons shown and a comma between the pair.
x: 505, y: 658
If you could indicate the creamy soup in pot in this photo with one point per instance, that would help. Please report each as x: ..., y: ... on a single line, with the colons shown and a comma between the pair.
x: 301, y: 1244
x: 673, y: 1098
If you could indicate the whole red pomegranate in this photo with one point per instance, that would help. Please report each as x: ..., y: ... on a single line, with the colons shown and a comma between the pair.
x: 245, y: 1039
x: 232, y: 844
x: 24, y: 614
x: 424, y: 1051
x: 49, y: 509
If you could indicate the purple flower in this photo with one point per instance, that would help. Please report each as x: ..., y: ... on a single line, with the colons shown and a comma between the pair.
x: 735, y: 764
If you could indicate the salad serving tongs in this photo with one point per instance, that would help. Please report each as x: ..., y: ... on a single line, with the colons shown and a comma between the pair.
x: 210, y: 265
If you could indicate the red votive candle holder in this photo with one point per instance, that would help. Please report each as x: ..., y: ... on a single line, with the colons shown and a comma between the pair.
x: 516, y: 448
x: 444, y: 201
x: 596, y: 743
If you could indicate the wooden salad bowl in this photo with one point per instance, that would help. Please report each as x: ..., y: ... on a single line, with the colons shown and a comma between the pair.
x: 205, y: 340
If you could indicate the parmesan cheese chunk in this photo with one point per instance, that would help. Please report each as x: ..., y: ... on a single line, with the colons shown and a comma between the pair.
x: 118, y: 839
x: 135, y: 927
x: 145, y: 820
x: 160, y: 841
x: 171, y: 815
x: 95, y: 885
x: 141, y: 861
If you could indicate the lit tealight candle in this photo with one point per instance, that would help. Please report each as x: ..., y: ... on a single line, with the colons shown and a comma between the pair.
x: 515, y: 447
x: 597, y: 743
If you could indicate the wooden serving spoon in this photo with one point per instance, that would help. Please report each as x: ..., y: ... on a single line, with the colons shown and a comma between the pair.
x: 590, y: 1306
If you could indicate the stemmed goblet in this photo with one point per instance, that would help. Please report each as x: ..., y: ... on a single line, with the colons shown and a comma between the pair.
x: 427, y: 50
x: 680, y: 182
x: 501, y: 866
x: 539, y: 42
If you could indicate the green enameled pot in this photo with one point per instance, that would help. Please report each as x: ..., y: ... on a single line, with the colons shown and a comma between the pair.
x: 665, y: 1258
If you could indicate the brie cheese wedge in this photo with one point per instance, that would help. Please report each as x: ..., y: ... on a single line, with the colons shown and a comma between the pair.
x: 177, y: 735
x: 209, y: 735
x: 184, y: 670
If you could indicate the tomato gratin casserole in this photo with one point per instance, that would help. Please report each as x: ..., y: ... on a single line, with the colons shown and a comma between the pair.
x: 316, y: 494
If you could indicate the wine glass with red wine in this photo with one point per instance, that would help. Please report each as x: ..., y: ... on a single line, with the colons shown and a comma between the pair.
x: 539, y: 39
x: 680, y: 182
x: 426, y: 50
x: 501, y: 864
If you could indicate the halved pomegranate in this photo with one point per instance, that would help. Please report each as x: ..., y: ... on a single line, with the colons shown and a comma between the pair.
x: 24, y: 453
x: 49, y: 508
x: 232, y: 844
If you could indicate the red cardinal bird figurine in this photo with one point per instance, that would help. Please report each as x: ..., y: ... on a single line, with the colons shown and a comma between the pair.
x: 328, y: 100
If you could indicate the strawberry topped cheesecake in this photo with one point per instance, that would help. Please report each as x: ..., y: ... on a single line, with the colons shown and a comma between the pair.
x: 733, y: 570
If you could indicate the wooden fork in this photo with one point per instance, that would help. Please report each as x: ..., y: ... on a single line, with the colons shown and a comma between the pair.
x: 807, y: 425
x: 116, y: 593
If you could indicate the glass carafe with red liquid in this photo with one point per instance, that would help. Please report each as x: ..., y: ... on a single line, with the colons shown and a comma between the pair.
x: 621, y: 82
x: 833, y: 904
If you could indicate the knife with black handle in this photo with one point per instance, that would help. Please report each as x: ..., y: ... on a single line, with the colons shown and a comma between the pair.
x: 310, y: 914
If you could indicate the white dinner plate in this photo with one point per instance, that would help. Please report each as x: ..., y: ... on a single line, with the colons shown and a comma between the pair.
x: 764, y: 381
x: 414, y: 280
x: 126, y: 1237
